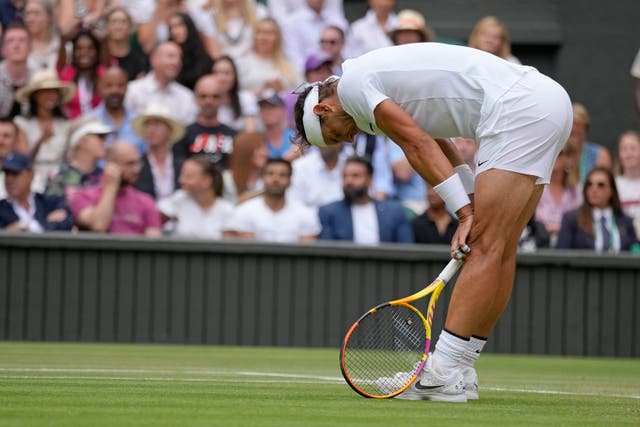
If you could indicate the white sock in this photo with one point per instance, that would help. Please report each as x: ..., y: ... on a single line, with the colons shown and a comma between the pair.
x: 472, y: 351
x: 448, y: 353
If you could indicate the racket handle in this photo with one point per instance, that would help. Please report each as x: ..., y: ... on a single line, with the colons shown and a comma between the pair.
x: 450, y: 270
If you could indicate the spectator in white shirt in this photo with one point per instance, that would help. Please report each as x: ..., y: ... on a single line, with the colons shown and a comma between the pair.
x: 198, y: 209
x: 323, y: 165
x: 160, y: 87
x: 302, y: 30
x: 274, y: 216
x: 371, y: 31
x: 281, y: 10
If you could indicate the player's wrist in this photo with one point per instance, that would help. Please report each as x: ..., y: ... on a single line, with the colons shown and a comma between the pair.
x: 453, y: 193
x: 466, y: 176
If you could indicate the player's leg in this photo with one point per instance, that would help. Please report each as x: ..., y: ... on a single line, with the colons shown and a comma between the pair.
x: 508, y: 267
x: 477, y: 341
x: 501, y: 198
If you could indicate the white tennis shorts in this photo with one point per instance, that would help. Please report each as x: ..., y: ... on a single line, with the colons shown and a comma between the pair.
x: 526, y: 129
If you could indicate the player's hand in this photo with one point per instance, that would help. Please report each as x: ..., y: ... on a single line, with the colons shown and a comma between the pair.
x: 459, y: 247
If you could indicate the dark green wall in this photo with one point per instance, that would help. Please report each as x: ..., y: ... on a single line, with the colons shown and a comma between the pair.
x: 97, y: 288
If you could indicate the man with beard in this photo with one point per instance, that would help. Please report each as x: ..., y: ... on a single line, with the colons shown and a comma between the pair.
x: 115, y: 206
x: 207, y: 135
x: 273, y: 217
x: 360, y: 218
x: 112, y: 86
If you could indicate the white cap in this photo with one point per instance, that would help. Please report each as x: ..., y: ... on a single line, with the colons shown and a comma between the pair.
x: 92, y: 127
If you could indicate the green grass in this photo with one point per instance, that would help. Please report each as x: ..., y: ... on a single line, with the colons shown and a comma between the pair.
x: 45, y: 384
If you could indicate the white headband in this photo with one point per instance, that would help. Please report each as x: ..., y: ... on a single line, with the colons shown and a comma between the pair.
x: 311, y: 120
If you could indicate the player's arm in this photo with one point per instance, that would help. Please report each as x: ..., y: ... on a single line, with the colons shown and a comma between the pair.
x: 423, y: 152
x: 429, y: 160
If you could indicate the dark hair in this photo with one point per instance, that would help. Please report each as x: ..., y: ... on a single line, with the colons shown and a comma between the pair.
x: 585, y: 214
x: 363, y: 161
x: 336, y: 28
x: 8, y: 121
x: 235, y: 88
x: 209, y: 168
x: 196, y: 62
x: 326, y: 89
x: 14, y: 26
x: 280, y: 161
x: 96, y: 45
x: 33, y: 108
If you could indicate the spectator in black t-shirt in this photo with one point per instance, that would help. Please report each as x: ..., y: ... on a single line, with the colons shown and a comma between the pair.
x: 117, y: 45
x: 207, y: 135
x: 435, y: 225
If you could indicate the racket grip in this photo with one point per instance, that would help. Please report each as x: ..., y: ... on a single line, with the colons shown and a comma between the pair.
x: 450, y: 270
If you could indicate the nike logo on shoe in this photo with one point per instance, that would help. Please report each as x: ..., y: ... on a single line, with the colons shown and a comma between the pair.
x: 427, y: 387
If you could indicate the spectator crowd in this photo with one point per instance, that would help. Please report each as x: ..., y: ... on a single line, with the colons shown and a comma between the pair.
x: 175, y: 118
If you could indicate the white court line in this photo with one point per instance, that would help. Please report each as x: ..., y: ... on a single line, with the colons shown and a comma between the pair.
x: 285, y: 378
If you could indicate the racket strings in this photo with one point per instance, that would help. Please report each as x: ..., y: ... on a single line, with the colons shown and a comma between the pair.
x: 382, y: 352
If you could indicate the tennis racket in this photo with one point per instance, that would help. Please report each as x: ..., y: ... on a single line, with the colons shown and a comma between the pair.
x: 387, y: 347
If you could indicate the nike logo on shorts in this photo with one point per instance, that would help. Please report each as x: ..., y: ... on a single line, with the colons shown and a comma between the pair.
x: 482, y: 163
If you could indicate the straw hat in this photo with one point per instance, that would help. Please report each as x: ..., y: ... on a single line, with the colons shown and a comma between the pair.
x: 159, y: 112
x: 46, y: 79
x: 412, y: 20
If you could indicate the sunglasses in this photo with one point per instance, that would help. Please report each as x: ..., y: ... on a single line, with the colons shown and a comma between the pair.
x: 599, y: 184
x: 328, y: 41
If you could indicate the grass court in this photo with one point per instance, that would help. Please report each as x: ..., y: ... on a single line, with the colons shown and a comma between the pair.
x: 69, y: 384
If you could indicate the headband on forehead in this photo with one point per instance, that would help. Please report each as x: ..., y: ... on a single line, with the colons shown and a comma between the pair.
x: 310, y: 120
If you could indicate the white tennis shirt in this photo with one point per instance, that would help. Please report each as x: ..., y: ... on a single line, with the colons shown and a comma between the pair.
x: 448, y: 90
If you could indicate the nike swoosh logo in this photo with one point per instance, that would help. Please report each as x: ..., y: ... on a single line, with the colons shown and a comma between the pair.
x: 482, y: 163
x: 478, y: 351
x: 426, y: 387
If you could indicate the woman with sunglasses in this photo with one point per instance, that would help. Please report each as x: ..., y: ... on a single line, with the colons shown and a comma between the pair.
x: 420, y: 95
x: 599, y: 223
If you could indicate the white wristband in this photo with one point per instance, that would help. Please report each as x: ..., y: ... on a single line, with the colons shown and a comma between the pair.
x: 466, y: 176
x: 452, y: 192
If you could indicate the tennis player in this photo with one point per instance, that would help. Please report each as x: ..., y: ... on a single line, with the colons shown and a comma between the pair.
x: 419, y: 95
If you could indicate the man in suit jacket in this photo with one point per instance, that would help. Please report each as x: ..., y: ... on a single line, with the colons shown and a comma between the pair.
x: 23, y: 210
x: 358, y: 217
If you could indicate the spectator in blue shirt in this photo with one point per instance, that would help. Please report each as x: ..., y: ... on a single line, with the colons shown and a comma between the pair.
x: 112, y: 87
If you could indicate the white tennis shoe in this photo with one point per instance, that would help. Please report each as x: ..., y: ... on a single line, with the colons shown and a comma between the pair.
x: 470, y: 383
x: 428, y: 386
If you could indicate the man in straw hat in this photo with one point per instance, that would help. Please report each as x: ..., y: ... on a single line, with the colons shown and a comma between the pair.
x: 14, y: 72
x: 161, y: 165
x: 86, y: 148
x: 115, y: 206
x: 420, y: 95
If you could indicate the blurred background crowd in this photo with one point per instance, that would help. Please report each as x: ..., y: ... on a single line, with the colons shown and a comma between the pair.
x: 175, y: 118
